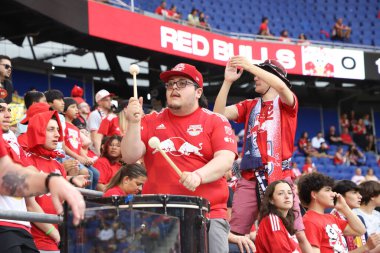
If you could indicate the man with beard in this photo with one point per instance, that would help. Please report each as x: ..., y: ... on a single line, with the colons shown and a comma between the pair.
x: 200, y: 143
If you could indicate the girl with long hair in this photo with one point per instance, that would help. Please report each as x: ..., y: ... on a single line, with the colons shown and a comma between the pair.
x: 276, y: 231
x: 109, y: 162
x: 128, y: 180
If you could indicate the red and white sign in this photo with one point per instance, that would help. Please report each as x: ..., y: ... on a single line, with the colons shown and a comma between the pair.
x: 135, y: 29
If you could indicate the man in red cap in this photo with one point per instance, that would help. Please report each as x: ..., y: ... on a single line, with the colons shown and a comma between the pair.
x: 270, y: 125
x: 200, y: 143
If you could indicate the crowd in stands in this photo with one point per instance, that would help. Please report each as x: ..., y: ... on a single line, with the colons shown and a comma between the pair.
x: 195, y: 18
x: 62, y: 135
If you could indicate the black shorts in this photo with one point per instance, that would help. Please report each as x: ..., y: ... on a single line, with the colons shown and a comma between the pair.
x: 16, y: 240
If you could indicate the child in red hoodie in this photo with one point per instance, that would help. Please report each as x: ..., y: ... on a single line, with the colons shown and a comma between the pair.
x: 44, y: 132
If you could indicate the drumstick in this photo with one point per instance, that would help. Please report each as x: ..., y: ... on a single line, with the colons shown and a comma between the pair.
x: 154, y: 142
x: 134, y: 70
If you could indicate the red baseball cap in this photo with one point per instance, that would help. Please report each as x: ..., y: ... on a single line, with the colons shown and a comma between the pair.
x: 185, y: 70
x: 34, y: 109
x: 277, y: 69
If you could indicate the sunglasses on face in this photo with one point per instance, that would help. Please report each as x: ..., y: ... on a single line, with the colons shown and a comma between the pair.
x: 7, y: 66
x: 180, y: 84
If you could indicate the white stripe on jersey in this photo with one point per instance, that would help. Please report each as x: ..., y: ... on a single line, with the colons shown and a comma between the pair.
x: 275, y: 222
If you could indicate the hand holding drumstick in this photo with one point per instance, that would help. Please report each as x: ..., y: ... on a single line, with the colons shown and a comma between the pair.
x: 191, y: 180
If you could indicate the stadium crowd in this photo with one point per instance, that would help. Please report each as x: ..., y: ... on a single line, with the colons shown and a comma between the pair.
x: 274, y: 206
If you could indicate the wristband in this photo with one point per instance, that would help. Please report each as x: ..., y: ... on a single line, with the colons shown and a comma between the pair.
x: 72, y: 180
x: 47, y: 180
x: 199, y: 175
x: 50, y: 230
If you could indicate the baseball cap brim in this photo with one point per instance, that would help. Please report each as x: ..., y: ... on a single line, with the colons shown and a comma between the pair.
x: 270, y: 69
x: 165, y: 76
x: 109, y: 95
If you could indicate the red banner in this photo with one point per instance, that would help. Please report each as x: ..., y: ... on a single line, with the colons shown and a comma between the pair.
x: 135, y: 29
x: 167, y: 37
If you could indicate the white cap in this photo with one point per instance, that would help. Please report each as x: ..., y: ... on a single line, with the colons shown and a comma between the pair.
x: 102, y: 94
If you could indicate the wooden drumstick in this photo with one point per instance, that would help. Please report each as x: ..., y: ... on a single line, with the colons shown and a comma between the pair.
x: 134, y: 70
x: 154, y: 142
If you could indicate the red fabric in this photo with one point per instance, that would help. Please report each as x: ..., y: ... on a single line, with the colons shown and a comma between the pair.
x: 353, y: 242
x: 20, y: 158
x: 3, y: 151
x: 190, y: 141
x: 263, y: 27
x: 43, y: 241
x: 91, y: 154
x: 110, y: 126
x: 288, y: 125
x: 159, y: 10
x: 23, y: 141
x: 346, y: 138
x: 325, y: 231
x: 72, y: 138
x: 43, y: 160
x: 272, y: 236
x: 106, y: 169
x: 114, y: 191
x: 14, y: 225
x: 308, y: 168
x: 36, y: 132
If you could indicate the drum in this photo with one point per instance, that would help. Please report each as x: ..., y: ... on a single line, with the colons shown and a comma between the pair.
x: 191, y: 211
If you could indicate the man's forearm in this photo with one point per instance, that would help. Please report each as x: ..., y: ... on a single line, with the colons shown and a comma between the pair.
x: 221, y: 99
x: 217, y: 167
x: 132, y: 148
x: 19, y: 181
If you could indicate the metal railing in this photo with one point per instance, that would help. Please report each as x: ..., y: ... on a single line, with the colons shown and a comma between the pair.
x: 42, y: 217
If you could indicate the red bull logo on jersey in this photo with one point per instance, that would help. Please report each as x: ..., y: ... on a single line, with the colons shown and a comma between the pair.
x: 177, y: 146
x: 195, y: 130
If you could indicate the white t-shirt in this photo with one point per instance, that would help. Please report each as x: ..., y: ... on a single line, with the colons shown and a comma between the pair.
x: 372, y: 221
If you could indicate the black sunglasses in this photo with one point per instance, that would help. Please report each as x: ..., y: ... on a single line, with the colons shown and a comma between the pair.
x: 7, y: 66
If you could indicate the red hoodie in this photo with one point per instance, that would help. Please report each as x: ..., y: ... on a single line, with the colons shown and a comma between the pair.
x: 3, y: 151
x: 44, y: 161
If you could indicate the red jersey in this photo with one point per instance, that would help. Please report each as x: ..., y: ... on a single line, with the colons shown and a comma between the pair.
x: 43, y: 241
x: 72, y: 138
x: 191, y: 142
x: 325, y: 231
x: 288, y: 125
x: 114, y: 191
x: 3, y: 151
x: 106, y: 169
x: 110, y: 126
x: 272, y: 236
x: 17, y: 154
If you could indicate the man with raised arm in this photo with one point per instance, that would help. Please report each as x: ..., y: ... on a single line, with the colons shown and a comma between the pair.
x: 270, y: 125
x: 200, y: 143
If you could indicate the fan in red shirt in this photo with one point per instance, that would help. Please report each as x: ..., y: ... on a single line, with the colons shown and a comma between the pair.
x: 129, y: 179
x: 201, y: 143
x: 270, y: 126
x: 109, y: 163
x: 114, y: 124
x: 44, y: 132
x: 276, y: 231
x: 325, y: 231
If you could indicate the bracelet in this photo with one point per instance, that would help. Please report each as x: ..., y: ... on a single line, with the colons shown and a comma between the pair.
x: 47, y: 180
x: 72, y: 180
x: 199, y: 175
x: 50, y: 230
